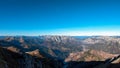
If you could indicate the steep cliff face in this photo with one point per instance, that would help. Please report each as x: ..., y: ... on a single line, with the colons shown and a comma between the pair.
x: 9, y: 59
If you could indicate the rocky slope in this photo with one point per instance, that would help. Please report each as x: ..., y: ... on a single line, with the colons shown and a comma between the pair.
x: 110, y: 44
x: 34, y: 59
x: 108, y: 63
x: 9, y: 59
x: 89, y: 55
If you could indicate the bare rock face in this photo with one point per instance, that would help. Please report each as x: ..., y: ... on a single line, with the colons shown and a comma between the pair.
x: 35, y: 53
x: 58, y: 39
x: 90, y: 55
x: 13, y: 49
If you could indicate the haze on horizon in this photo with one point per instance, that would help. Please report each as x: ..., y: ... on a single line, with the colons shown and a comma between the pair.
x: 60, y: 17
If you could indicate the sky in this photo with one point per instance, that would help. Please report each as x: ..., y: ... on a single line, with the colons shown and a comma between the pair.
x: 59, y: 17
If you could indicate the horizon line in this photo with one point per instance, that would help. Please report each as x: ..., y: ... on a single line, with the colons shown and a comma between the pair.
x: 59, y: 35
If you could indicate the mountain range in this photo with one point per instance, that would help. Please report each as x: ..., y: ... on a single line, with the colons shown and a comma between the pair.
x: 59, y: 51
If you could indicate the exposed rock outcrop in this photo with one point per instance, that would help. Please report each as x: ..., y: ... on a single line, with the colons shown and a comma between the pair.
x: 9, y: 59
x: 89, y: 55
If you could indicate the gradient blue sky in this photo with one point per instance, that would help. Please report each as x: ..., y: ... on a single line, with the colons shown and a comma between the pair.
x: 59, y: 17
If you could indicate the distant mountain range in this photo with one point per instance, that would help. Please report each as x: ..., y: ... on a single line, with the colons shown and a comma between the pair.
x: 58, y: 51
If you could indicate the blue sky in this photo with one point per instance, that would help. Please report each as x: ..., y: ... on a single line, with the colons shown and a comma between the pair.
x: 59, y: 17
